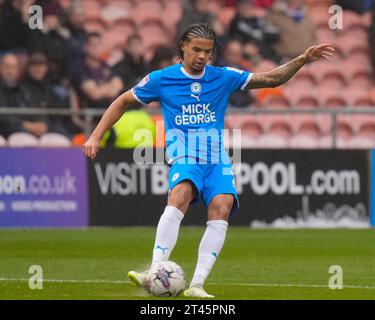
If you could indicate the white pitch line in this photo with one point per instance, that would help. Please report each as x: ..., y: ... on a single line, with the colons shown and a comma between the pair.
x: 290, y: 285
x: 67, y: 281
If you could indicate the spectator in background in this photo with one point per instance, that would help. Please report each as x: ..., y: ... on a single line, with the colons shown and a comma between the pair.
x: 233, y: 57
x: 359, y: 6
x: 52, y: 40
x: 45, y: 95
x: 132, y: 68
x: 75, y: 24
x: 13, y: 24
x: 93, y: 79
x: 296, y: 29
x: 249, y: 25
x: 163, y: 57
x: 22, y: 130
x: 197, y: 13
x: 12, y: 94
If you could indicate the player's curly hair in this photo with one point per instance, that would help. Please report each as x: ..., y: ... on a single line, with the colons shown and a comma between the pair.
x: 197, y: 30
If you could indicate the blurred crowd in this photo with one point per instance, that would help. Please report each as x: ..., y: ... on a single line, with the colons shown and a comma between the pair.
x: 75, y: 62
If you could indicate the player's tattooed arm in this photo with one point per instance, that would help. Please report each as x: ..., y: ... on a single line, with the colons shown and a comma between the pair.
x: 282, y: 74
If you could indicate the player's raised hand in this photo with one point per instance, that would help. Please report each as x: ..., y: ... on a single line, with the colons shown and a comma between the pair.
x: 91, y: 147
x: 321, y: 51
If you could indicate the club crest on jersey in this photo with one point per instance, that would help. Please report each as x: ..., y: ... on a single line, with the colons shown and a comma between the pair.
x: 144, y: 81
x: 196, y: 90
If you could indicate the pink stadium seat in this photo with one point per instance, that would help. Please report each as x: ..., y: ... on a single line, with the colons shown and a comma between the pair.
x: 3, y: 142
x: 326, y: 35
x: 335, y: 101
x: 246, y: 142
x: 304, y: 78
x: 148, y: 10
x: 116, y: 10
x: 347, y: 42
x: 325, y: 122
x: 352, y: 92
x: 92, y: 9
x: 271, y: 141
x: 309, y: 128
x: 265, y: 65
x: 95, y: 25
x: 22, y: 139
x: 307, y: 136
x: 125, y: 25
x: 319, y: 15
x: 154, y: 34
x: 361, y: 79
x: 306, y: 101
x: 172, y: 13
x: 361, y: 142
x: 351, y: 19
x: 326, y: 142
x: 367, y: 129
x: 344, y: 130
x: 301, y: 141
x: 281, y: 129
x: 274, y: 102
x: 225, y: 15
x: 333, y: 80
x: 113, y: 39
x: 54, y: 140
x: 252, y: 129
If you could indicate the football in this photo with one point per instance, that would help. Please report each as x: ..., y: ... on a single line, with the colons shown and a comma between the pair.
x: 166, y: 279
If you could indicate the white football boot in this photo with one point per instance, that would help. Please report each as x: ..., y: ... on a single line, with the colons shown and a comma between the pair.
x: 197, y: 292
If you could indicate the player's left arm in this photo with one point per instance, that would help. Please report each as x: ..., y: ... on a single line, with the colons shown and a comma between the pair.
x: 282, y: 74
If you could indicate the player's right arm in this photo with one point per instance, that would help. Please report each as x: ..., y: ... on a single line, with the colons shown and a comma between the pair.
x: 282, y: 74
x: 109, y: 118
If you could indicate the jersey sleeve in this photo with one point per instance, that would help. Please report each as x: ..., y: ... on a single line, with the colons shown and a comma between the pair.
x: 237, y: 79
x: 148, y: 89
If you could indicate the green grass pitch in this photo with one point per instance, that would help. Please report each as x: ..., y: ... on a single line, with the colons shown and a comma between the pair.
x: 254, y: 264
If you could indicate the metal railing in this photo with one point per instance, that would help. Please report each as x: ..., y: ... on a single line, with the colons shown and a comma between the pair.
x: 89, y: 114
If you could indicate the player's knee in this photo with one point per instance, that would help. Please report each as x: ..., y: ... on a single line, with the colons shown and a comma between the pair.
x: 219, y: 212
x: 181, y: 196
